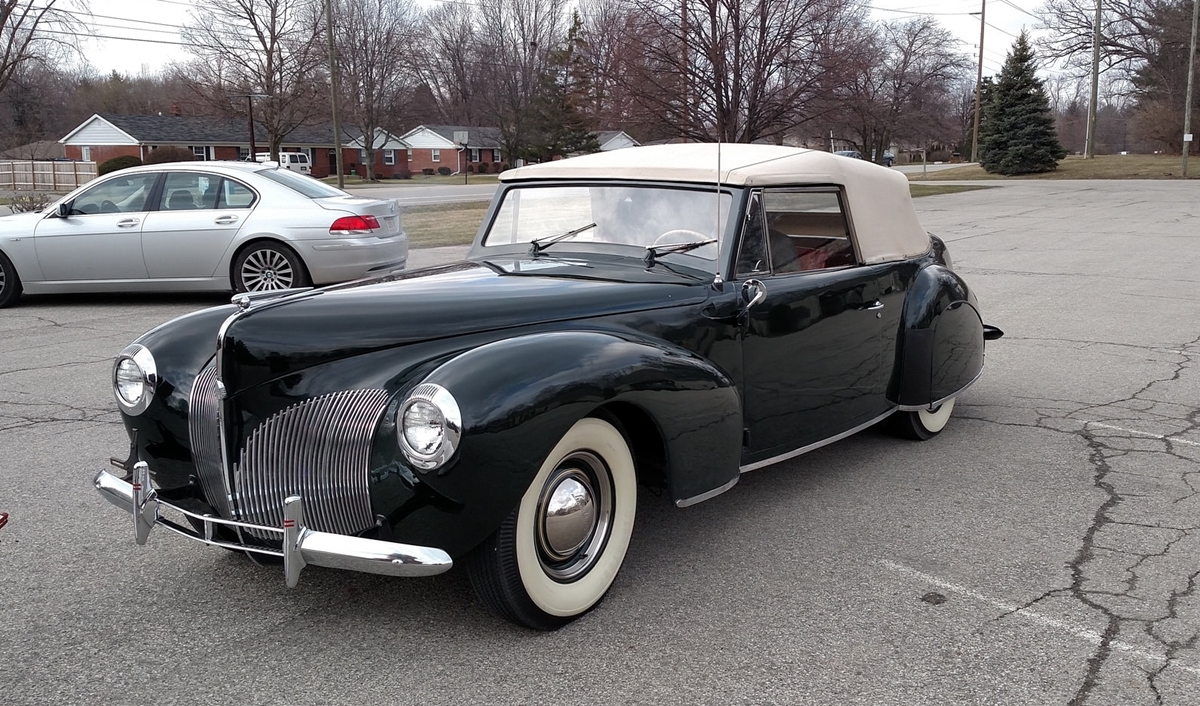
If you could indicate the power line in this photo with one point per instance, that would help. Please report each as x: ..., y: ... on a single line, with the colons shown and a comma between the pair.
x: 1017, y: 7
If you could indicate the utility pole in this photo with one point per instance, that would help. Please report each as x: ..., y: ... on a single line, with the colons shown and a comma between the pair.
x: 978, y: 84
x: 250, y: 113
x: 1089, y: 150
x: 1187, y: 108
x: 333, y: 91
x: 683, y: 65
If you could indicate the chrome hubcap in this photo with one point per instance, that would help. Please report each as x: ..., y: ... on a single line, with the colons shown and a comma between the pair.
x: 574, y: 516
x: 267, y: 270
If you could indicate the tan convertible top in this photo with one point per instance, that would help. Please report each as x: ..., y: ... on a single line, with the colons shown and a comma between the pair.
x: 880, y: 207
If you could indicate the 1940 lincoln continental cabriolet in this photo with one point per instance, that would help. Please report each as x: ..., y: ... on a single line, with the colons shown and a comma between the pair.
x: 664, y: 317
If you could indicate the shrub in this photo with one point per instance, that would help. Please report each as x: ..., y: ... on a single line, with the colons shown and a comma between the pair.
x: 122, y: 162
x: 169, y: 154
x: 30, y: 201
x: 403, y: 173
x: 444, y: 171
x: 483, y: 167
x: 470, y: 169
x: 427, y: 171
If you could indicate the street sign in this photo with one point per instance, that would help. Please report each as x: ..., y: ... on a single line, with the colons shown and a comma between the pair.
x: 1187, y: 137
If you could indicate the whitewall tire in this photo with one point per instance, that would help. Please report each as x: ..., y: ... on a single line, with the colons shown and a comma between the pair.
x: 923, y: 424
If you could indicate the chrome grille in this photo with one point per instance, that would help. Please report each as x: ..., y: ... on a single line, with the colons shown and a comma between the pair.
x: 319, y: 449
x: 205, y: 436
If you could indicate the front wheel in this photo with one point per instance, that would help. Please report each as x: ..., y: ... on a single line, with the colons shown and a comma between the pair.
x: 268, y: 266
x: 922, y: 424
x: 10, y: 283
x: 556, y: 555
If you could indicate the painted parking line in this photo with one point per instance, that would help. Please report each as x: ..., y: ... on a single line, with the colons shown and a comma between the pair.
x: 1033, y: 616
x: 1135, y: 432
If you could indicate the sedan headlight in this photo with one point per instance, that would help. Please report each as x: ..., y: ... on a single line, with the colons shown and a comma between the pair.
x: 429, y: 426
x: 134, y: 378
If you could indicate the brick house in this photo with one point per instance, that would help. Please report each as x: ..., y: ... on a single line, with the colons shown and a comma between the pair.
x: 107, y: 135
x: 391, y: 155
x: 434, y: 146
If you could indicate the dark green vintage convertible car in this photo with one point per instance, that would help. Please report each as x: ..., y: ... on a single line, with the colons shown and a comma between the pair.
x: 664, y: 317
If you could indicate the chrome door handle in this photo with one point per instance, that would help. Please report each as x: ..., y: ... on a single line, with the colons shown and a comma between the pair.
x: 128, y: 222
x: 873, y: 306
x: 753, y: 291
x: 226, y: 220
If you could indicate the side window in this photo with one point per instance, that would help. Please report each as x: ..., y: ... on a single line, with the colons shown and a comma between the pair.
x: 235, y: 194
x: 122, y: 194
x: 188, y: 191
x: 752, y: 253
x: 806, y: 230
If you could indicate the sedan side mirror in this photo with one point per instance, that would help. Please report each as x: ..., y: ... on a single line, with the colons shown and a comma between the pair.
x: 63, y: 210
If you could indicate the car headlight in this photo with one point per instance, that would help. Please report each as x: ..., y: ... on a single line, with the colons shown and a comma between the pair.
x: 134, y: 378
x: 428, y: 426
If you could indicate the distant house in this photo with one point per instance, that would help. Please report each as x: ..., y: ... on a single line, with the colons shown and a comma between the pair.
x: 107, y: 135
x: 434, y: 146
x: 614, y: 140
x: 391, y: 154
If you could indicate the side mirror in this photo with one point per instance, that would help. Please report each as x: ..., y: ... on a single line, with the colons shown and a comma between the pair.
x: 63, y: 210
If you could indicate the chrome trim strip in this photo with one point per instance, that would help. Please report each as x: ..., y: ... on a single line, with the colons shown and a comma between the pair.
x: 223, y: 405
x: 306, y: 548
x: 816, y: 445
x: 934, y: 405
x: 204, y: 436
x: 688, y: 502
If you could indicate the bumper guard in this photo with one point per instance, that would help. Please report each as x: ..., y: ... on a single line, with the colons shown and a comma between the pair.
x: 301, y: 546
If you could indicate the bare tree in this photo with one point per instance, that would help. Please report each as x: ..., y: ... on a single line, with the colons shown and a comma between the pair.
x: 450, y: 62
x: 906, y: 90
x: 259, y: 46
x: 741, y: 70
x: 370, y: 35
x: 33, y: 31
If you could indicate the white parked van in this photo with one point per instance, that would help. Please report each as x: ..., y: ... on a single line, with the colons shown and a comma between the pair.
x: 295, y: 161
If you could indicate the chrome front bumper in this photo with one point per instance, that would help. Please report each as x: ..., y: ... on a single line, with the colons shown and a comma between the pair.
x: 301, y: 546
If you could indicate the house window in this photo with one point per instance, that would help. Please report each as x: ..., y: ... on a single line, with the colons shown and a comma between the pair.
x: 86, y: 154
x: 495, y: 156
x: 409, y: 154
x: 201, y: 152
x: 473, y: 155
x: 389, y: 157
x: 244, y: 154
x: 437, y: 155
x: 362, y: 156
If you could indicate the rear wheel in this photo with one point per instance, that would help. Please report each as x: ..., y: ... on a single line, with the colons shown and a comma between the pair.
x: 10, y: 283
x: 267, y: 266
x: 922, y: 424
x: 556, y: 555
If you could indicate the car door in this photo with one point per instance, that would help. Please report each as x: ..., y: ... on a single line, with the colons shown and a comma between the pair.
x: 195, y: 219
x: 813, y: 364
x: 100, y: 238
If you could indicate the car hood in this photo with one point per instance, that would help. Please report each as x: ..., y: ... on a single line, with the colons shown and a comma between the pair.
x: 312, y: 328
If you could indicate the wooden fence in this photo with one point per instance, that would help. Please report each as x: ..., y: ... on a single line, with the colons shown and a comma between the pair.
x: 44, y: 176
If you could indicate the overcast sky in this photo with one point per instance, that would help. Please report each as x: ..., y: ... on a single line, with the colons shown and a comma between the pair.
x: 149, y: 29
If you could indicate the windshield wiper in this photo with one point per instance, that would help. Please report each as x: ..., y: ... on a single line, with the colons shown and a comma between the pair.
x: 653, y: 252
x: 540, y: 244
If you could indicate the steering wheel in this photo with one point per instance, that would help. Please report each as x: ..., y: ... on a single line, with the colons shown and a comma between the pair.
x: 107, y: 206
x: 678, y: 236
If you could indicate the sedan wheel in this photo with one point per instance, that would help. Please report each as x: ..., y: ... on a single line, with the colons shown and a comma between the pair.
x: 557, y: 553
x: 10, y: 283
x: 266, y: 267
x: 922, y: 424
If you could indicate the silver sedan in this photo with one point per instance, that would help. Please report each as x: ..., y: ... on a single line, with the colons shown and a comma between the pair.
x: 199, y: 226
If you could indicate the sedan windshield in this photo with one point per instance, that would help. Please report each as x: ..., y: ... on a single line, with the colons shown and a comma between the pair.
x: 306, y: 185
x: 638, y: 216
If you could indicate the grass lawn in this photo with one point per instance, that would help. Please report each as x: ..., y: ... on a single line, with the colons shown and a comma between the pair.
x: 441, y: 225
x: 417, y: 180
x: 1105, y: 166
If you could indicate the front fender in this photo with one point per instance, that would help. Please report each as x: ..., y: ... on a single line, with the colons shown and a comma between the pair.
x: 519, y: 396
x: 940, y: 349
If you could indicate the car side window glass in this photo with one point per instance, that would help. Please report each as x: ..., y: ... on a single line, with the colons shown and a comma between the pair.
x: 122, y: 194
x: 752, y: 252
x: 188, y: 191
x: 806, y: 230
x: 235, y: 194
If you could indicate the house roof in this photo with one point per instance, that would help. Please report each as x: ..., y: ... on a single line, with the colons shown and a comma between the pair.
x: 485, y: 137
x: 200, y: 129
x: 604, y: 136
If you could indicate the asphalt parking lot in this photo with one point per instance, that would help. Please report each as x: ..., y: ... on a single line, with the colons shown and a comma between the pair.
x: 1044, y: 549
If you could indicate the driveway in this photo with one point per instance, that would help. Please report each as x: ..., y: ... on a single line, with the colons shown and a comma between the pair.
x: 1044, y: 549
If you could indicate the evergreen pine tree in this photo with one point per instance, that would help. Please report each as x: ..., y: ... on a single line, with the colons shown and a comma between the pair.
x: 1016, y: 134
x: 559, y: 127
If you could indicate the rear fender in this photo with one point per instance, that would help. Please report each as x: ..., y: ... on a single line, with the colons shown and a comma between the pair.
x: 940, y: 349
x: 519, y: 396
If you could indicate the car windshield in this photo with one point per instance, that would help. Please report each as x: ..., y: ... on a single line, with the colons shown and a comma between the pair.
x: 306, y: 185
x: 640, y: 216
